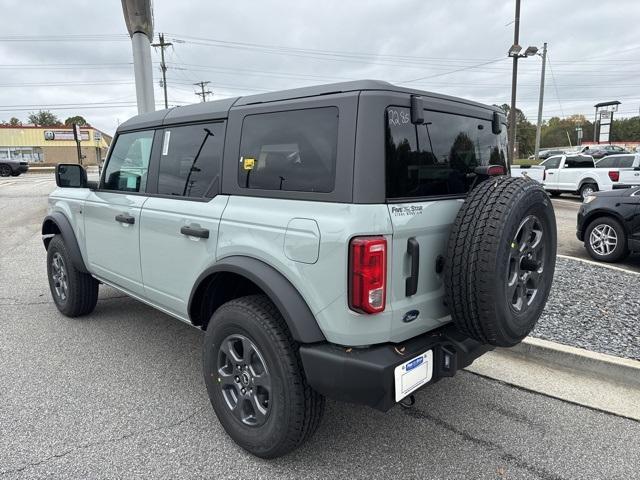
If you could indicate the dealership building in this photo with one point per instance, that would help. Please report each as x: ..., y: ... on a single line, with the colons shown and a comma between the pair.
x: 52, y: 145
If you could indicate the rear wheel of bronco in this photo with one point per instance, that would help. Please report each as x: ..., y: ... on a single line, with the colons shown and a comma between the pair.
x: 5, y: 170
x: 500, y: 260
x: 255, y: 379
x: 75, y: 293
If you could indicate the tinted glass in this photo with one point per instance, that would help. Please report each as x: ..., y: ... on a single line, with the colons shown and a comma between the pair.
x: 552, y: 162
x: 190, y: 160
x: 579, y: 162
x: 294, y: 150
x: 438, y: 157
x: 607, y: 162
x: 126, y: 170
x: 625, y: 161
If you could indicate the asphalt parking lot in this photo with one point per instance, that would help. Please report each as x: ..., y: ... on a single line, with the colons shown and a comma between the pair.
x: 119, y: 394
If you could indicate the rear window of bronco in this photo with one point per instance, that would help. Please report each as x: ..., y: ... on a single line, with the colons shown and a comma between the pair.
x: 438, y: 158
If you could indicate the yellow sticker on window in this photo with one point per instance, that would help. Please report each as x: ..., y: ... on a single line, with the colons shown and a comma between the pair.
x: 249, y: 163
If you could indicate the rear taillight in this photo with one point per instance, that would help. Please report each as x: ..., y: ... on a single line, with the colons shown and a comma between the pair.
x: 495, y: 170
x: 368, y: 274
x: 614, y: 175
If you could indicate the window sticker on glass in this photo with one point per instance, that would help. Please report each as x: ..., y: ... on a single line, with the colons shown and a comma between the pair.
x: 165, y: 142
x: 249, y: 163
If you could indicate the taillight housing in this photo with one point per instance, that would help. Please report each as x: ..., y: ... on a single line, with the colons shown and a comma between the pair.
x: 544, y: 175
x: 368, y: 274
x: 614, y: 175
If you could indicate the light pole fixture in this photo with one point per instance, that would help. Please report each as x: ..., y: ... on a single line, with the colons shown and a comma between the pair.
x: 138, y: 15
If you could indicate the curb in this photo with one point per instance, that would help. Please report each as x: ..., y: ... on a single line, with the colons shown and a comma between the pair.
x: 597, y: 264
x: 614, y: 368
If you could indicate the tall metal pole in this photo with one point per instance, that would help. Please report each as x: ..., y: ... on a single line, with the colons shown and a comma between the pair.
x: 541, y: 101
x: 514, y: 81
x: 139, y: 20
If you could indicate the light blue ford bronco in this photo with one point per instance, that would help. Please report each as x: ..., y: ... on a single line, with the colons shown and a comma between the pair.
x: 356, y: 241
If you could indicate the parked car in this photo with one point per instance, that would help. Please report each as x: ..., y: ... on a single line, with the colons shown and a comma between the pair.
x: 577, y: 174
x: 12, y: 168
x: 544, y: 154
x: 609, y: 224
x: 600, y: 151
x: 627, y: 165
x: 341, y: 241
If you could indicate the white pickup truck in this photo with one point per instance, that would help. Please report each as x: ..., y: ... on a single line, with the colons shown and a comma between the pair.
x: 627, y: 164
x: 577, y: 174
x: 534, y: 172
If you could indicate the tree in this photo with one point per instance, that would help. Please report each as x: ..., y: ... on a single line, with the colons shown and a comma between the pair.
x: 44, y: 118
x: 76, y: 120
x: 15, y: 122
x: 525, y: 131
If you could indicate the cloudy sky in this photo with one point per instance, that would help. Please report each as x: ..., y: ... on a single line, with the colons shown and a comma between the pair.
x: 74, y: 57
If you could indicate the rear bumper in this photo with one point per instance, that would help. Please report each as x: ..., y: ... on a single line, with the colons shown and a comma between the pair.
x: 366, y: 375
x: 20, y: 168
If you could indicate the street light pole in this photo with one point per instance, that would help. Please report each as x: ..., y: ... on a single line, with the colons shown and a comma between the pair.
x: 139, y: 20
x: 514, y: 81
x: 541, y: 101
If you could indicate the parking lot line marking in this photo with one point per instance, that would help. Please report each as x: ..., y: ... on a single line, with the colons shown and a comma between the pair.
x: 592, y: 262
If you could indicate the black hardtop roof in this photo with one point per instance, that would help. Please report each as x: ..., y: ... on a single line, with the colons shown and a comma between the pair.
x: 220, y: 108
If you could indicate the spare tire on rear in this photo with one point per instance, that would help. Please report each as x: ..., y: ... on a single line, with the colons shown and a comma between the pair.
x: 500, y: 260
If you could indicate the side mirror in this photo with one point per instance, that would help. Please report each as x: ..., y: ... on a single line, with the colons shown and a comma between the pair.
x: 417, y: 110
x: 496, y: 126
x: 71, y: 175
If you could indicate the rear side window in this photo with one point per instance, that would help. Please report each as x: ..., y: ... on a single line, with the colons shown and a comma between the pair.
x: 438, y: 158
x: 293, y: 150
x: 190, y: 160
x: 625, y: 161
x: 578, y: 162
x: 608, y: 162
x: 128, y: 164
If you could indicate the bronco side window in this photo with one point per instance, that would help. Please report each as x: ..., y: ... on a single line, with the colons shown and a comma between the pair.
x: 190, y: 160
x: 126, y: 169
x: 294, y: 150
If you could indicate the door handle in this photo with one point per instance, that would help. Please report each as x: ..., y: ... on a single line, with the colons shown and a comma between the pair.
x: 413, y: 249
x: 549, y: 173
x: 194, y: 231
x: 125, y: 218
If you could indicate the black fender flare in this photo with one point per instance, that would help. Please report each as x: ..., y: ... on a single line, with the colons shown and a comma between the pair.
x: 58, y: 222
x: 294, y: 309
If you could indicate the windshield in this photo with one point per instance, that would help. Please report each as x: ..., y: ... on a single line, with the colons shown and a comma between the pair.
x: 438, y: 158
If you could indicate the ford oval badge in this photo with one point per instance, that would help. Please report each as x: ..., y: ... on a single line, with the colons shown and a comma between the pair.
x: 410, y: 316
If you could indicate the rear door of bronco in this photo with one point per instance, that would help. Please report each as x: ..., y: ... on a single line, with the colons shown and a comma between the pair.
x: 430, y: 167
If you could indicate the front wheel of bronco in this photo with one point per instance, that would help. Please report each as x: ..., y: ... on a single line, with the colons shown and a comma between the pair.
x: 501, y: 260
x: 255, y: 379
x: 75, y: 293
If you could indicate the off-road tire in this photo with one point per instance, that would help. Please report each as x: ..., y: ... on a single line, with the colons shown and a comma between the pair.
x: 592, y: 187
x: 621, y: 250
x: 82, y: 288
x: 5, y: 170
x: 295, y: 409
x: 479, y: 256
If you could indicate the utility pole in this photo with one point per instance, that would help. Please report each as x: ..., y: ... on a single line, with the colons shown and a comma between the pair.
x: 163, y: 66
x: 514, y: 81
x: 541, y: 100
x: 202, y: 93
x: 139, y: 19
